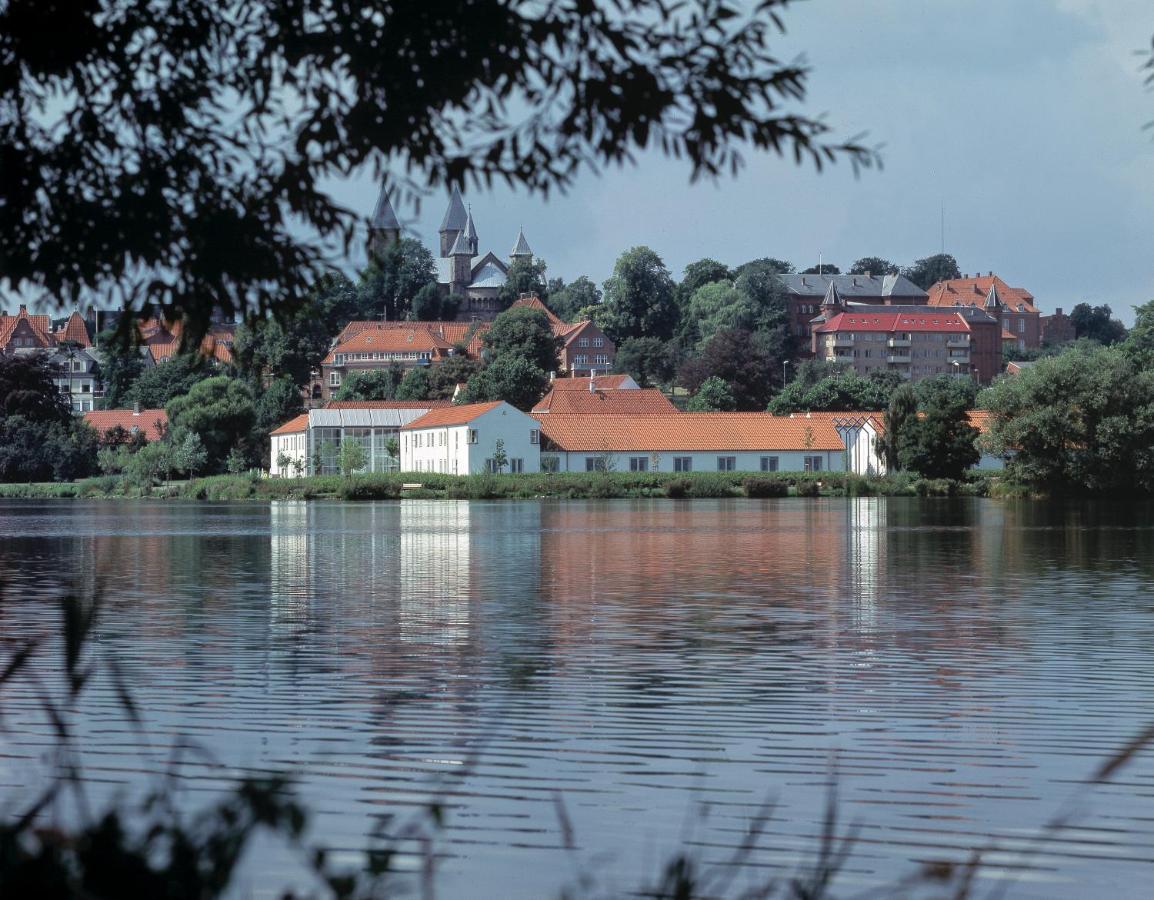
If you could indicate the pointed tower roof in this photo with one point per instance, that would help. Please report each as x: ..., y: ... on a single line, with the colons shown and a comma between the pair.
x: 384, y: 219
x: 992, y: 298
x: 471, y: 230
x: 455, y: 216
x: 521, y: 248
x: 832, y: 296
x: 462, y: 246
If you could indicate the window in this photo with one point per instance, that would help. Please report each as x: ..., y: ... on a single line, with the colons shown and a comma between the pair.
x: 581, y: 359
x: 595, y: 464
x: 1021, y: 324
x: 517, y: 465
x: 534, y: 436
x: 683, y: 464
x: 638, y: 464
x: 550, y: 464
x: 599, y: 342
x: 769, y: 463
x: 813, y: 463
x: 726, y: 463
x: 601, y: 359
x: 334, y: 379
x: 583, y: 342
x: 472, y: 438
x: 491, y: 465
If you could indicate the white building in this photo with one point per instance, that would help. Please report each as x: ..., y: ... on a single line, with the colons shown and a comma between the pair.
x: 690, y: 442
x: 470, y: 439
x: 311, y: 443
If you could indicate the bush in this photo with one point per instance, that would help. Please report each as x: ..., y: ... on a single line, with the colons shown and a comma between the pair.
x: 765, y: 487
x: 935, y: 487
x: 807, y: 489
x: 677, y: 488
x: 366, y: 489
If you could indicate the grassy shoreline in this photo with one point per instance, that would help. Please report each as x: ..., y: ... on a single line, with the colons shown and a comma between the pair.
x: 571, y: 486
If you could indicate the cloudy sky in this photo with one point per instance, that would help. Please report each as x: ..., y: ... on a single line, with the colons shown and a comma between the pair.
x: 1024, y: 117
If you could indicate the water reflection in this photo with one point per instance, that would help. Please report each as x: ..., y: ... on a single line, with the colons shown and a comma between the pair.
x: 967, y: 660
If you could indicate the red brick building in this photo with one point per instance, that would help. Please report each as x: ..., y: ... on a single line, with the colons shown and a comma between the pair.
x: 1014, y: 307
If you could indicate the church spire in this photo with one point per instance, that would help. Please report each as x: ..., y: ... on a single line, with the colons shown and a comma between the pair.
x: 993, y: 301
x: 453, y: 223
x: 384, y: 227
x: 471, y: 232
x: 521, y: 248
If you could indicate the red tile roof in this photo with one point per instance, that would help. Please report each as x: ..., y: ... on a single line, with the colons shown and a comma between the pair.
x: 600, y: 382
x: 973, y: 291
x: 388, y: 404
x: 645, y: 400
x: 293, y: 426
x: 153, y: 422
x: 41, y: 327
x: 689, y: 432
x: 534, y: 302
x: 452, y: 415
x: 163, y: 340
x: 932, y: 320
x: 74, y: 331
x: 442, y: 335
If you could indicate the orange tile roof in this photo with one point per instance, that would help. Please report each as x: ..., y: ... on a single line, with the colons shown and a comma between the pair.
x: 600, y: 382
x: 973, y: 291
x: 689, y: 432
x: 41, y: 327
x: 442, y: 335
x: 293, y: 426
x: 534, y: 302
x: 452, y: 415
x: 153, y: 422
x: 644, y: 400
x: 388, y: 404
x: 980, y: 419
x: 878, y: 319
x: 74, y: 331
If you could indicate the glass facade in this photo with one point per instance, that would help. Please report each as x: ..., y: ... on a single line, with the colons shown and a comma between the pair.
x: 325, y: 449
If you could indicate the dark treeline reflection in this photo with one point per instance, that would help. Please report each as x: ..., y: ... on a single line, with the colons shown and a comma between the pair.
x: 967, y: 660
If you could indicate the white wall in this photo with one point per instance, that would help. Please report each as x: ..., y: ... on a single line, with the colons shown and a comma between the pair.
x: 704, y: 461
x: 294, y: 445
x: 447, y: 448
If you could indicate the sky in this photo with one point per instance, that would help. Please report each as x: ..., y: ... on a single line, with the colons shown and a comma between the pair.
x: 1024, y: 118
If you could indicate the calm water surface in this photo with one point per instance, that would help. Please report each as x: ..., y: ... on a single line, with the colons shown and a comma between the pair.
x: 665, y: 667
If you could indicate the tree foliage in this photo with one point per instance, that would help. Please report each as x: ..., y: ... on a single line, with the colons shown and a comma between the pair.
x: 741, y: 361
x: 648, y: 361
x: 415, y: 385
x: 393, y: 279
x: 714, y: 395
x: 940, y: 442
x: 221, y: 411
x: 371, y: 384
x: 525, y: 333
x: 169, y: 378
x: 823, y: 268
x: 121, y: 364
x: 1097, y: 323
x: 526, y: 275
x: 1081, y: 421
x: 874, y: 265
x: 511, y: 378
x: 932, y: 269
x: 567, y: 301
x: 843, y: 392
x: 187, y: 147
x: 639, y: 297
x: 27, y: 390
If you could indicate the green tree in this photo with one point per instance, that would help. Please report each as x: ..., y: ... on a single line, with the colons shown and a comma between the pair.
x: 843, y: 392
x: 874, y: 265
x: 393, y: 278
x: 221, y: 412
x: 639, y: 297
x: 697, y: 275
x: 188, y: 455
x: 1140, y: 339
x: 371, y: 384
x: 822, y: 269
x: 739, y: 359
x: 1097, y: 323
x: 275, y: 405
x: 294, y: 344
x: 526, y: 275
x: 567, y: 301
x: 902, y: 411
x: 150, y: 464
x: 416, y: 385
x: 940, y: 442
x: 649, y: 361
x: 932, y: 269
x: 45, y: 450
x: 714, y: 395
x: 780, y: 266
x: 27, y: 389
x: 445, y: 376
x: 431, y: 304
x: 121, y: 364
x: 171, y: 378
x: 500, y: 457
x: 511, y: 378
x: 352, y: 457
x: 525, y: 333
x: 1081, y: 421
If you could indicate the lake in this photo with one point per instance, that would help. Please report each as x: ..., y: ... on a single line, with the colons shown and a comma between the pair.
x: 957, y: 667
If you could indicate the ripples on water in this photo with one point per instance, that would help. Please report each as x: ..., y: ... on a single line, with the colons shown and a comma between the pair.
x: 962, y: 663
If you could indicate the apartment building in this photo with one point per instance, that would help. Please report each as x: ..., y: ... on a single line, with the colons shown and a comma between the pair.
x: 806, y: 293
x: 471, y: 439
x: 1020, y: 319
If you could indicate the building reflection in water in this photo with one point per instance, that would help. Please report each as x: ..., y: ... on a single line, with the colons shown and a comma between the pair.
x: 866, y: 558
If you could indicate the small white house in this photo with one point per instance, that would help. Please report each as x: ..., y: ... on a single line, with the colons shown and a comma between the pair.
x: 470, y: 439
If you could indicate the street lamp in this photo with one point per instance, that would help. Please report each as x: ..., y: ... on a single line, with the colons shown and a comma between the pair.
x: 784, y: 366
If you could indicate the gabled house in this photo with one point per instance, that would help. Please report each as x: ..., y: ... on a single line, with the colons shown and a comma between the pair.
x: 1020, y: 319
x: 805, y: 293
x: 152, y: 423
x: 471, y: 439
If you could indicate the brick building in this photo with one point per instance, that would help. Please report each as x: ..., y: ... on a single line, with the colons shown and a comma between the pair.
x: 805, y: 294
x: 1013, y: 307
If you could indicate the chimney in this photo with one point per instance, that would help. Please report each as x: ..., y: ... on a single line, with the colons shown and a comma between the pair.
x: 1059, y: 312
x: 592, y: 385
x: 23, y: 310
